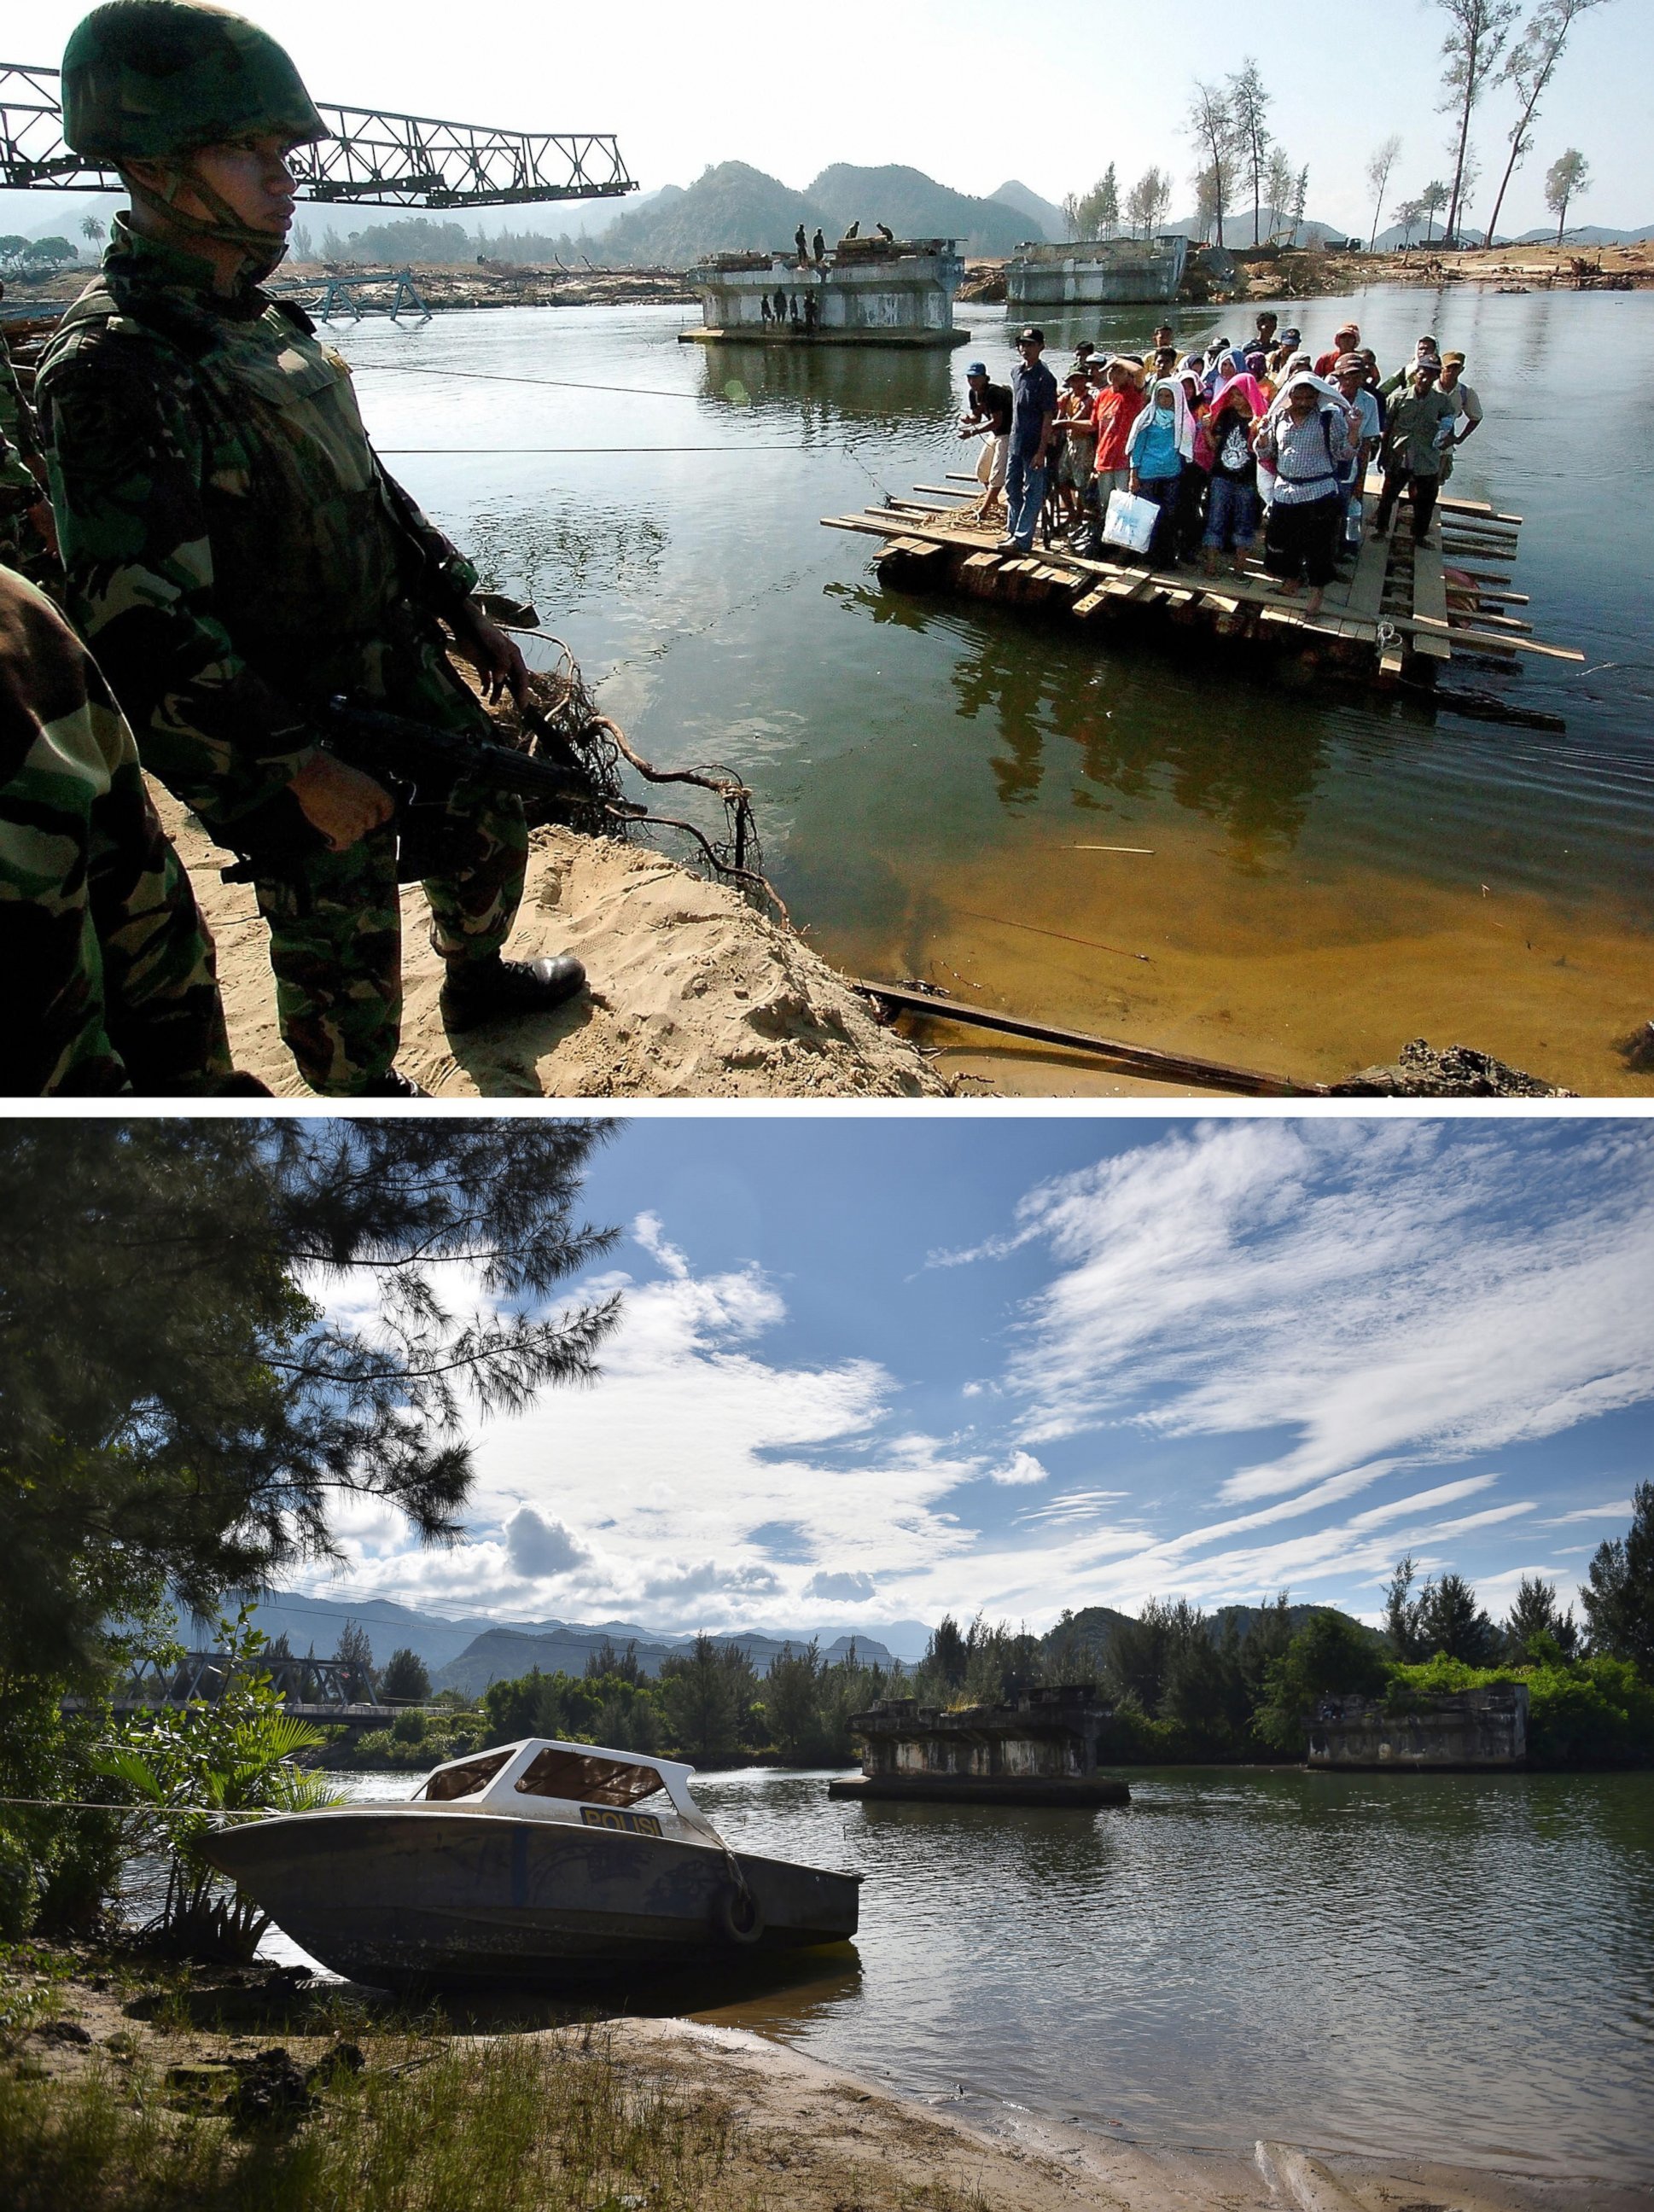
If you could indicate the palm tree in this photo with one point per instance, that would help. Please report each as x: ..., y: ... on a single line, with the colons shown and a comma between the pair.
x: 93, y: 229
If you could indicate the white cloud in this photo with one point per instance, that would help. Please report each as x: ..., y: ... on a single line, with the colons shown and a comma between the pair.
x: 1022, y: 1467
x: 1620, y: 1510
x: 1369, y: 1289
x: 650, y: 1231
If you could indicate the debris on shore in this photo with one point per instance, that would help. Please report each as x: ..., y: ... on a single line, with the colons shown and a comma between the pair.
x: 1420, y: 1070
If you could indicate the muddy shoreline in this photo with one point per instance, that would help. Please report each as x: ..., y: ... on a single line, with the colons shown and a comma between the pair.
x: 803, y: 2134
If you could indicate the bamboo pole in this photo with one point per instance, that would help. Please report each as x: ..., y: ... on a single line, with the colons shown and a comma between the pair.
x: 1128, y: 1059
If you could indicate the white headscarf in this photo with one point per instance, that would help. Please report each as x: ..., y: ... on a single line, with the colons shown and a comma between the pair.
x: 1182, y: 420
x: 1321, y: 384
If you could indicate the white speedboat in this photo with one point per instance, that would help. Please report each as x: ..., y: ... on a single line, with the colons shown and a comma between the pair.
x: 536, y: 1862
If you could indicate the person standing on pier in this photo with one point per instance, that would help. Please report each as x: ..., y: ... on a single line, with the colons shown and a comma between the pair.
x: 989, y: 417
x: 1033, y: 427
x: 1420, y: 426
x: 1306, y: 444
x: 1466, y: 404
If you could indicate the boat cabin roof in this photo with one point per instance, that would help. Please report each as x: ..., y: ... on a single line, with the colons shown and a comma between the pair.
x: 540, y: 1776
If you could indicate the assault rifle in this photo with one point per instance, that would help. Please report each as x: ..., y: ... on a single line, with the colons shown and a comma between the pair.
x: 419, y: 765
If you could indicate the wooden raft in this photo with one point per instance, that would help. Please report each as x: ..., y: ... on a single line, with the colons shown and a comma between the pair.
x: 1403, y: 612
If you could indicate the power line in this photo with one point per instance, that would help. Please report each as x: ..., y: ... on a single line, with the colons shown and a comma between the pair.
x: 402, y: 452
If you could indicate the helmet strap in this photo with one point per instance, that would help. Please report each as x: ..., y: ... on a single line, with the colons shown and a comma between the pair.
x: 262, y: 252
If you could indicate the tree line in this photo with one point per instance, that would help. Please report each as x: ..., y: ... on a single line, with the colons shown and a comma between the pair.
x: 1241, y: 166
x: 1241, y: 1684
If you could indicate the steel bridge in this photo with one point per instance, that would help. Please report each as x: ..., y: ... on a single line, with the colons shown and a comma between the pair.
x: 315, y: 1689
x: 374, y: 158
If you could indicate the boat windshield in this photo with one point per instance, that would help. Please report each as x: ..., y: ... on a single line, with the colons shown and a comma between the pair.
x: 587, y: 1781
x: 451, y: 1782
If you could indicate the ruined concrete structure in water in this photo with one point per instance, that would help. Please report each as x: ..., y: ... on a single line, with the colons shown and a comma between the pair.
x: 1041, y: 1750
x: 1098, y: 273
x: 1486, y: 1727
x: 866, y: 292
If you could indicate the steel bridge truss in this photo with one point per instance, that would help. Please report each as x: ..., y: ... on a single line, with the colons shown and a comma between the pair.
x: 206, y: 1675
x: 374, y: 158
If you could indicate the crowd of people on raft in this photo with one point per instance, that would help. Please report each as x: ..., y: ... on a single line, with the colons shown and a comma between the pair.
x: 1226, y: 442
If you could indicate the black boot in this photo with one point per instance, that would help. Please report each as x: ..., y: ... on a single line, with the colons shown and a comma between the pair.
x: 479, y: 991
x: 392, y: 1085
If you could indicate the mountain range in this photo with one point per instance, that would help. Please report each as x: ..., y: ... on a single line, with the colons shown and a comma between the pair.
x: 470, y: 1652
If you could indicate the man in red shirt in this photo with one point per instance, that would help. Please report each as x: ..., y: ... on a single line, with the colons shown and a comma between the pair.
x: 1118, y: 405
x: 1344, y: 341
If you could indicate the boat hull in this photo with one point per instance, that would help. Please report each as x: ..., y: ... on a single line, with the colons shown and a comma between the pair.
x: 398, y: 1897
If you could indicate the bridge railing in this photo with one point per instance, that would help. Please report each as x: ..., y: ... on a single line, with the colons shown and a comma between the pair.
x: 374, y: 158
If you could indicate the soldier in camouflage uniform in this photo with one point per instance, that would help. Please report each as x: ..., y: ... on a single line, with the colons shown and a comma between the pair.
x: 27, y: 539
x: 237, y: 556
x: 107, y: 980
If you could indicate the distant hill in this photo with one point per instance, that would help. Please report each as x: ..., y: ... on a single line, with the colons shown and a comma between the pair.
x: 500, y: 1655
x: 316, y: 1621
x: 915, y: 206
x: 730, y: 209
x: 1096, y: 1625
x: 1049, y: 221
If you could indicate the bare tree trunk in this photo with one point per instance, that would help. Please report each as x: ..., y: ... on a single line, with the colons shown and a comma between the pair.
x: 1452, y: 227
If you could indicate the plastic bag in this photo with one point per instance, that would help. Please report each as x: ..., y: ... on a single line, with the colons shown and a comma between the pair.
x: 1130, y: 523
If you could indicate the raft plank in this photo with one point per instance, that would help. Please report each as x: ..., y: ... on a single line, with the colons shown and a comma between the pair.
x: 1128, y: 583
x: 1085, y: 608
x: 1430, y: 603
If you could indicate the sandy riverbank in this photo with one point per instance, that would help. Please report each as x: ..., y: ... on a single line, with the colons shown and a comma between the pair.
x: 799, y: 2134
x: 694, y: 995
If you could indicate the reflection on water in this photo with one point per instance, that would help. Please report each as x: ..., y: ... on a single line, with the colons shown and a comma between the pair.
x: 1450, y: 1966
x: 898, y: 747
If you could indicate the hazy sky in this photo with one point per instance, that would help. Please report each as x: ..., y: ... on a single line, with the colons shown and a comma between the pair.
x: 873, y: 1369
x: 932, y: 83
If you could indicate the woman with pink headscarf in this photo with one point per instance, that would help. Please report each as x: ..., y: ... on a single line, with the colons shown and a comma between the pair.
x: 1231, y: 509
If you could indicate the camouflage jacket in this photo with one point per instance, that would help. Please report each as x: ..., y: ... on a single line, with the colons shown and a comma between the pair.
x: 107, y: 978
x: 16, y: 416
x: 234, y: 551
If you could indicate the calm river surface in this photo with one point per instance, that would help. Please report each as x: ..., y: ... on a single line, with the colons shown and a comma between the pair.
x: 1457, y: 1967
x: 1320, y: 875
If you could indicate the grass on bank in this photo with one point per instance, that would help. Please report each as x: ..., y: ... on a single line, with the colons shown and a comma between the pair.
x: 430, y: 2122
x: 425, y: 2127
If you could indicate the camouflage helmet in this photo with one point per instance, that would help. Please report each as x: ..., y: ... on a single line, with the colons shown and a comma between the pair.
x: 146, y: 80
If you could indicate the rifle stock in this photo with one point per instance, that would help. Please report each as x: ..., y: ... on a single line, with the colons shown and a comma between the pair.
x: 419, y: 765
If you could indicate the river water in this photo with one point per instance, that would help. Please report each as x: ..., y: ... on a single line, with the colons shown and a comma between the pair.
x: 1316, y: 874
x: 1457, y: 1967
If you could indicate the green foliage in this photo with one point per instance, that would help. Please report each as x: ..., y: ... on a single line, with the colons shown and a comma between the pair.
x: 708, y: 1695
x: 792, y: 1704
x: 1439, y: 1616
x: 407, y: 1677
x: 602, y: 1709
x: 1619, y: 1599
x: 185, y: 1766
x: 1581, y: 1713
x: 176, y: 1406
x: 1537, y: 1630
x: 1331, y: 1657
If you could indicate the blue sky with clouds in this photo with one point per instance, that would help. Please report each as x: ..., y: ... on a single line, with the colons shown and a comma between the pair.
x: 872, y: 1370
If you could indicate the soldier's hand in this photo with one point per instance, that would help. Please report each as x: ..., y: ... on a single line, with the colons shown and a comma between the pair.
x: 339, y: 801
x: 495, y: 656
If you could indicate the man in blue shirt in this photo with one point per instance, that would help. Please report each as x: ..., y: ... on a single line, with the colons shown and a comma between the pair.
x: 1033, y: 432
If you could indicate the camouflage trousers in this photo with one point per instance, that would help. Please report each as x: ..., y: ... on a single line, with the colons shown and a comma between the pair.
x: 335, y: 934
x: 106, y: 973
